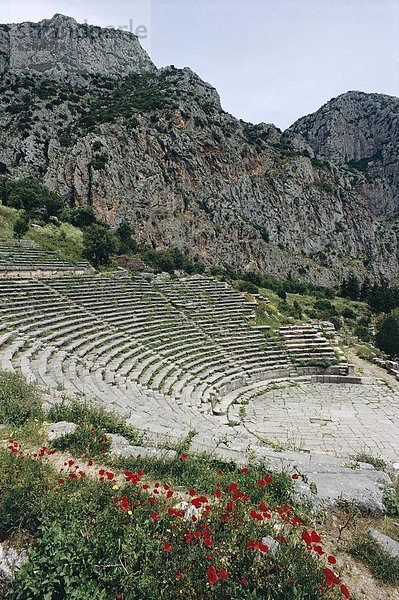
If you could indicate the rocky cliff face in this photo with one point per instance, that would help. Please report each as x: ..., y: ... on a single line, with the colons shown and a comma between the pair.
x: 61, y: 46
x: 361, y: 133
x: 155, y: 147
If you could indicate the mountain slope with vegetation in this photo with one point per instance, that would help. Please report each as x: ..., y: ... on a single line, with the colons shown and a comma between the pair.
x: 155, y: 148
x: 360, y: 132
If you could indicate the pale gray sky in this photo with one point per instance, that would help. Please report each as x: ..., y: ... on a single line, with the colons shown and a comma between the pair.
x: 271, y: 60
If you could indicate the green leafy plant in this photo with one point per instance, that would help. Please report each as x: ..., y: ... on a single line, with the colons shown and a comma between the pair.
x: 19, y: 400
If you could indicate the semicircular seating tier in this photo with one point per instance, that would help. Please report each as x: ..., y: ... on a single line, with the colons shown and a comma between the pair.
x: 145, y: 347
x: 24, y: 258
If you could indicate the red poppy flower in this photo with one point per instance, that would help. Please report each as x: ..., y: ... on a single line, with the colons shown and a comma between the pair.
x: 263, y: 548
x: 318, y: 550
x: 345, y: 591
x: 212, y: 575
x: 208, y: 543
x: 71, y: 462
x: 295, y: 476
x: 223, y: 574
x: 169, y: 493
x: 330, y: 576
x: 90, y: 463
x: 306, y: 537
x: 244, y: 580
x: 244, y: 470
x: 255, y: 515
x: 167, y: 547
x: 151, y: 500
x: 315, y: 537
x: 218, y: 494
x: 155, y: 516
x: 331, y: 560
x: 184, y: 456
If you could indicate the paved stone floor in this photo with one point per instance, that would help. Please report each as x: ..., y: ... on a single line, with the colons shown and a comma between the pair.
x: 337, y: 419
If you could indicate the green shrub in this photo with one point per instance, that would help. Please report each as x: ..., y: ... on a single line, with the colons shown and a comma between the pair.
x: 387, y: 333
x: 247, y: 286
x: 21, y: 226
x: 391, y: 500
x: 82, y: 216
x: 19, y: 401
x: 325, y: 307
x: 348, y: 313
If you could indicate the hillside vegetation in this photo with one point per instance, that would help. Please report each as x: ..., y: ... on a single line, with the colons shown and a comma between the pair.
x: 102, y: 527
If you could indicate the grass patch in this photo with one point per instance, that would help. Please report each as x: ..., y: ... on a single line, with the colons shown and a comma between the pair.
x: 93, y: 425
x: 378, y: 463
x: 64, y: 239
x: 382, y: 565
x: 19, y: 401
x: 7, y: 218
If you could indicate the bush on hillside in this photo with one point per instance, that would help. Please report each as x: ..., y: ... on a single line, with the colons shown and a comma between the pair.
x: 82, y: 216
x: 246, y: 286
x: 387, y: 333
x: 21, y: 226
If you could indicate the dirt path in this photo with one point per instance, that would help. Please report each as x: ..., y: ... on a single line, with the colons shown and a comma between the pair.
x: 366, y: 369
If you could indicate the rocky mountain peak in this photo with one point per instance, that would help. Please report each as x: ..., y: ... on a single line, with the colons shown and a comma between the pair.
x: 360, y: 131
x: 60, y: 46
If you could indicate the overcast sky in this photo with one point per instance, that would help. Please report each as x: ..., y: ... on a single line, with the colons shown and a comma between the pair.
x: 271, y: 60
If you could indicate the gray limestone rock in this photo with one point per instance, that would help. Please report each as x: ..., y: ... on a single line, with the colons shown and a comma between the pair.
x: 60, y: 46
x: 120, y: 446
x: 11, y: 560
x: 59, y: 429
x: 388, y: 544
x: 341, y: 485
x: 361, y: 132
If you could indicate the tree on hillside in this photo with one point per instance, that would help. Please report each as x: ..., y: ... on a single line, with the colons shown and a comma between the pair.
x: 82, y: 216
x: 33, y: 197
x: 350, y: 288
x: 21, y: 226
x: 125, y: 235
x: 98, y: 244
x: 387, y: 335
